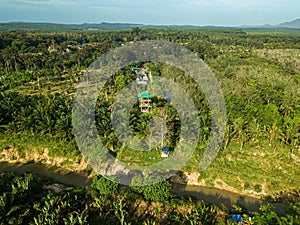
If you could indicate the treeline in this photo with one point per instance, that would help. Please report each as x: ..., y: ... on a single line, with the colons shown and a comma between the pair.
x: 28, y: 50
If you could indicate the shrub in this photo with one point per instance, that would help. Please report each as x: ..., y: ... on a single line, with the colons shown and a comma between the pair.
x: 153, y: 188
x: 258, y: 188
x: 247, y: 186
x: 105, y: 186
x: 137, y: 184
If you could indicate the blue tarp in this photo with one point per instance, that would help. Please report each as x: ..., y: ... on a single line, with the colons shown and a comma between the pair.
x: 167, y: 96
x: 165, y: 149
x: 237, y: 218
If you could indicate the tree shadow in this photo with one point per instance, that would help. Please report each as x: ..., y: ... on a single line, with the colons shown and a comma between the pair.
x: 58, y: 174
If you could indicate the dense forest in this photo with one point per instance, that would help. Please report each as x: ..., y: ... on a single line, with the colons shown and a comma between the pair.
x: 259, y: 74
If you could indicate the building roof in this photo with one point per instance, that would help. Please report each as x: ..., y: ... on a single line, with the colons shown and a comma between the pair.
x: 145, y: 94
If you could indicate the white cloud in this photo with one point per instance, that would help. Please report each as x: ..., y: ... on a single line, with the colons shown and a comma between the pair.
x: 33, y: 1
x: 50, y: 2
x: 232, y: 4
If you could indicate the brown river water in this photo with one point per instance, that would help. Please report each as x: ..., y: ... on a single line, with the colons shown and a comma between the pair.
x: 208, y: 194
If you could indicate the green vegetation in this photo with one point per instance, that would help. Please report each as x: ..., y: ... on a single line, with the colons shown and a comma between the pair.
x: 27, y: 199
x: 105, y: 186
x: 258, y: 71
x: 160, y: 191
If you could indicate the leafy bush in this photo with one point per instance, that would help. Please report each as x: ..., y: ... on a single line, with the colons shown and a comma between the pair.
x: 153, y: 188
x: 258, y: 188
x: 268, y: 216
x: 105, y: 186
x: 137, y: 184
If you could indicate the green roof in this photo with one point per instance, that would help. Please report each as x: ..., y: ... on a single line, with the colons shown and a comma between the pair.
x: 145, y: 94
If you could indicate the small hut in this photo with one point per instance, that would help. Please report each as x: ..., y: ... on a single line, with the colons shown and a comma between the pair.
x: 145, y: 101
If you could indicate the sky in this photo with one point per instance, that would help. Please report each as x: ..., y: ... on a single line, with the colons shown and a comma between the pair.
x: 156, y: 12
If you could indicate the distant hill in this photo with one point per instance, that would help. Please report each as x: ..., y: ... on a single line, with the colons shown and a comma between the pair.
x: 59, y: 27
x: 295, y: 24
x: 88, y: 26
x: 109, y: 26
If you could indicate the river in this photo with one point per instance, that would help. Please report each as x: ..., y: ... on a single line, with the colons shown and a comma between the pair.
x: 208, y: 194
x: 58, y: 174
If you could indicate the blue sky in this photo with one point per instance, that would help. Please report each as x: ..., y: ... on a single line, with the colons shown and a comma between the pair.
x: 194, y: 12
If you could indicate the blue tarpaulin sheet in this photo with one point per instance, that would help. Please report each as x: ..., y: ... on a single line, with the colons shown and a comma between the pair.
x: 165, y: 149
x: 167, y: 96
x: 237, y: 217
